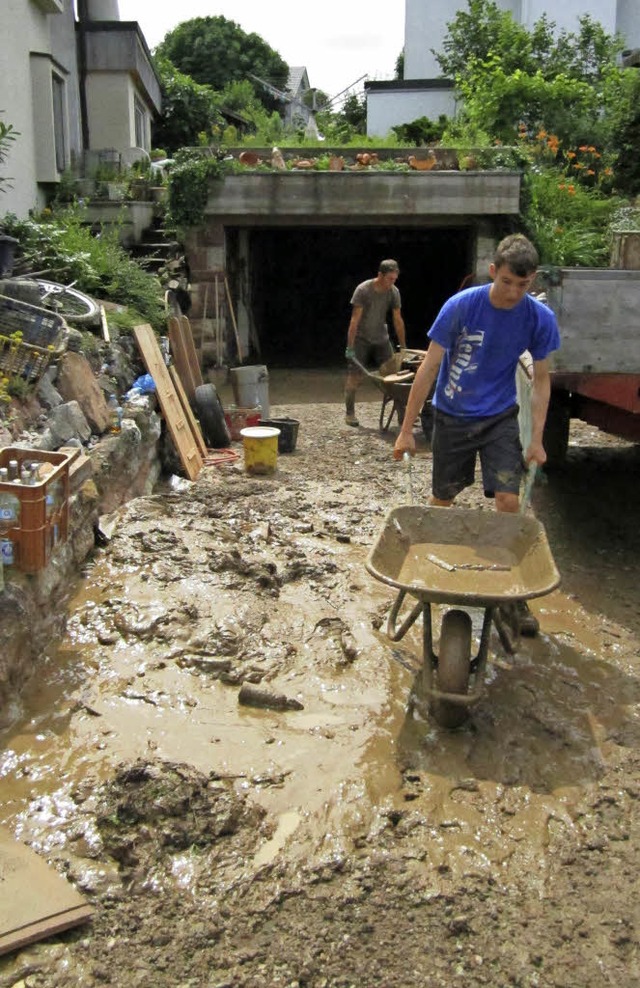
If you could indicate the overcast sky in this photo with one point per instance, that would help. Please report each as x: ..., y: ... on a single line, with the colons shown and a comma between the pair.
x: 337, y: 40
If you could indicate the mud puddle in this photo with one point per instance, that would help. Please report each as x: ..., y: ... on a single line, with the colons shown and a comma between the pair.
x: 239, y: 581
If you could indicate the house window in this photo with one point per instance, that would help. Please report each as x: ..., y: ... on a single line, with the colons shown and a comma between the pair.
x: 59, y: 122
x: 140, y: 120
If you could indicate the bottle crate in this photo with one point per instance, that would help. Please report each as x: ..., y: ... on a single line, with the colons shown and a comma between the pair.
x: 44, y: 507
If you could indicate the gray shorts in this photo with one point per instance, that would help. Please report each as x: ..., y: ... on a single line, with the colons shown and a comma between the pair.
x: 372, y: 355
x: 457, y: 443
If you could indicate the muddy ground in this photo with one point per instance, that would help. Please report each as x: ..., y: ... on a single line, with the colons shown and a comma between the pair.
x: 341, y: 840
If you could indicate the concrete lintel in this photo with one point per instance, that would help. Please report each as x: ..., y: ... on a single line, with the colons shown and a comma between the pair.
x: 366, y: 197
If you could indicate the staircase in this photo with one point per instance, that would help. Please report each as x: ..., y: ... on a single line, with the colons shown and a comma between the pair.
x: 159, y: 253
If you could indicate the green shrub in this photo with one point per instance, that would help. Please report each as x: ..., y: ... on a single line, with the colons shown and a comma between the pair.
x: 60, y: 245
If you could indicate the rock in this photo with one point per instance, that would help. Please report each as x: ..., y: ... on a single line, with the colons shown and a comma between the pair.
x: 48, y: 395
x: 76, y: 380
x: 68, y: 422
x: 277, y: 161
x: 250, y: 696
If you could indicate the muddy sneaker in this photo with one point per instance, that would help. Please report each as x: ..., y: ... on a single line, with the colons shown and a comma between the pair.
x: 528, y: 622
x: 351, y: 420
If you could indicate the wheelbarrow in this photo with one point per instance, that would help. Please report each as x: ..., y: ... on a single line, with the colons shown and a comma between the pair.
x: 394, y: 380
x: 459, y: 557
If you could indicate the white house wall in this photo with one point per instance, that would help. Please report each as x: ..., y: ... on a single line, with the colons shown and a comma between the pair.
x: 388, y: 109
x: 110, y: 98
x: 25, y: 29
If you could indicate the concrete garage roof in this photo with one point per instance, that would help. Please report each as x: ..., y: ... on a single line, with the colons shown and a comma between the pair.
x: 367, y: 198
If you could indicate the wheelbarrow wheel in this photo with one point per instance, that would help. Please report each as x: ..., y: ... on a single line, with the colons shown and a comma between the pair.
x: 454, y: 667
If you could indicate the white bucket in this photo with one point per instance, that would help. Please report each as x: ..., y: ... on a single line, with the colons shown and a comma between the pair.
x: 251, y: 387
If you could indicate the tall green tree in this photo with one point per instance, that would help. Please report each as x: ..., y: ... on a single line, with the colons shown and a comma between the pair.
x: 563, y: 82
x: 215, y: 51
x: 188, y: 109
x: 483, y: 31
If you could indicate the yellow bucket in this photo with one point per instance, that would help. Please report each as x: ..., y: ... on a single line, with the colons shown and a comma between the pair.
x: 260, y: 444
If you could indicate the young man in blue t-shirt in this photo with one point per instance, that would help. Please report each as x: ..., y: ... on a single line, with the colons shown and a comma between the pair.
x: 475, y: 343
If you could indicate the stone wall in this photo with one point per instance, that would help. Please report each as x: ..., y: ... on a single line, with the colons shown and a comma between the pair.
x: 106, y: 473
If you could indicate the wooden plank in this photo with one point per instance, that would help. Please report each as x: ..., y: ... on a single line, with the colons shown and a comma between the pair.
x: 180, y: 357
x: 186, y: 407
x: 170, y: 403
x: 36, y: 902
x: 190, y: 350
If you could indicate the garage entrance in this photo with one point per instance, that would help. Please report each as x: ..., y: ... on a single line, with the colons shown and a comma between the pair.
x: 297, y: 282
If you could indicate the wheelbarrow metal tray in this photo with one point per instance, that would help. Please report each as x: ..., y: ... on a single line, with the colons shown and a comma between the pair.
x: 465, y: 556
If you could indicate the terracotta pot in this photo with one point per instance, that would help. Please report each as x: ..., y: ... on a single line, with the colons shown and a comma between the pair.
x: 249, y: 158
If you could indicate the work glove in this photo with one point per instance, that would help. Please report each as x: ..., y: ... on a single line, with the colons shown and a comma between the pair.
x: 350, y: 353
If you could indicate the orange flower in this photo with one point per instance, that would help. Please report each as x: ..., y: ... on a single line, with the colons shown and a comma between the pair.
x: 590, y: 171
x: 590, y: 149
x: 541, y: 135
x: 608, y: 171
x: 561, y: 187
x: 583, y: 147
x: 571, y: 189
x: 571, y: 154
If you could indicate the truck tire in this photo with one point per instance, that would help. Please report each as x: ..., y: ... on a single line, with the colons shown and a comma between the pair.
x: 210, y: 414
x: 556, y: 429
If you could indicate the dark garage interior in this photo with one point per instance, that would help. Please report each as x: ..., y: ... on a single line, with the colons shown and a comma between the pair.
x: 299, y: 282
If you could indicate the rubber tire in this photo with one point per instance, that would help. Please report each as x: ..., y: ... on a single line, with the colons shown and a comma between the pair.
x: 454, y: 667
x: 72, y: 305
x: 210, y: 413
x: 555, y: 438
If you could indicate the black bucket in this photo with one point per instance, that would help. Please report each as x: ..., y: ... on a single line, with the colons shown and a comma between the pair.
x: 288, y: 432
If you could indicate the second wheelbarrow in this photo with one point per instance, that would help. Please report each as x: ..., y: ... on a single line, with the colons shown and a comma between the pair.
x: 460, y: 557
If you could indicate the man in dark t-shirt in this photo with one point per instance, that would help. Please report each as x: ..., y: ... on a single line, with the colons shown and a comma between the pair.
x: 368, y: 336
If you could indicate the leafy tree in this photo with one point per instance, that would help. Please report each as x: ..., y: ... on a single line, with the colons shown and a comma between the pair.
x: 354, y: 111
x: 484, y: 31
x: 215, y: 51
x: 421, y: 131
x: 344, y: 125
x: 399, y: 67
x: 188, y: 109
x: 625, y: 138
x: 508, y: 76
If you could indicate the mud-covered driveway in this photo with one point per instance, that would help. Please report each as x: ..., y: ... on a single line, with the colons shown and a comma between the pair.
x: 331, y: 839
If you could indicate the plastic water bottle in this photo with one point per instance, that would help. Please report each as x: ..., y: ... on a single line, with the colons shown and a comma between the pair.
x: 9, y: 518
x: 115, y: 414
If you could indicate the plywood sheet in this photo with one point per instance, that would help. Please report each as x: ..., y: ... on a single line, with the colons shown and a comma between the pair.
x: 180, y: 358
x: 35, y: 901
x: 190, y: 350
x: 179, y: 427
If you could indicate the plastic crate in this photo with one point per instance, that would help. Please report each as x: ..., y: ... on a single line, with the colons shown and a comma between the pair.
x: 44, y: 508
x: 29, y: 338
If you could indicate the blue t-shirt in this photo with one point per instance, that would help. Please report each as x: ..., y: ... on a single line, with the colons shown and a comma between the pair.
x: 477, y: 376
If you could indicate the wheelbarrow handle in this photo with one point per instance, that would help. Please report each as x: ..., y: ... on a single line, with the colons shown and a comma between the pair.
x: 394, y: 633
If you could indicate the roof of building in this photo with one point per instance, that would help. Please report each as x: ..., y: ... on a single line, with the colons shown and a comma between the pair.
x: 298, y: 79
